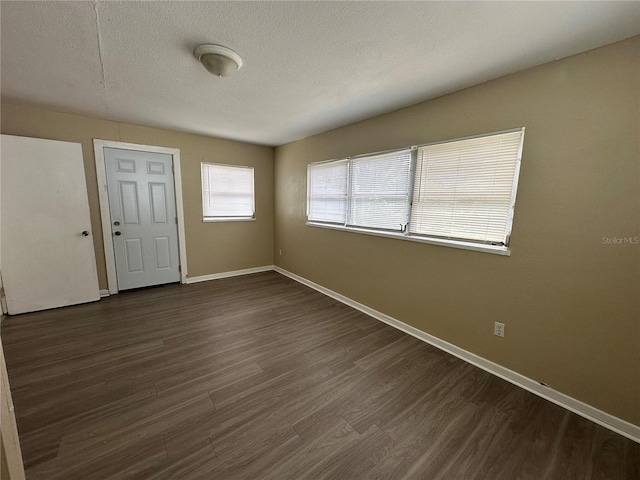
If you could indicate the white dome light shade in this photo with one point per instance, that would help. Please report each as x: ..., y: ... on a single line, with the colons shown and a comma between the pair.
x: 218, y: 60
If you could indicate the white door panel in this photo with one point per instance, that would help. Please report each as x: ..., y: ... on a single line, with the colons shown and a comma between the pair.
x: 47, y: 262
x: 143, y: 217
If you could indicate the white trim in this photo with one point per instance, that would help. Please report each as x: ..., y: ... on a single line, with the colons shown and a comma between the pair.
x: 10, y: 443
x: 182, y: 240
x: 233, y: 273
x: 105, y: 217
x: 443, y: 242
x: 607, y: 420
x: 228, y: 219
x: 104, y: 293
x: 110, y: 259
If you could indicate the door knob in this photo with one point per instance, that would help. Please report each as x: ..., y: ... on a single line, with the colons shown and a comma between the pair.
x: 85, y: 234
x: 117, y: 234
x: 116, y: 223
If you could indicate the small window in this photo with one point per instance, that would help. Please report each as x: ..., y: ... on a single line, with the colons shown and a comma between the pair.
x: 227, y: 193
x: 327, y: 197
x: 379, y: 191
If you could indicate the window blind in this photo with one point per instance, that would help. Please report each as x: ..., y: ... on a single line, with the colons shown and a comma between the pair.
x: 466, y: 189
x: 379, y: 191
x: 227, y: 192
x: 327, y: 192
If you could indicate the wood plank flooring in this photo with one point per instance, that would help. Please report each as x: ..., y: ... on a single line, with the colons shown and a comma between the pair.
x: 258, y: 377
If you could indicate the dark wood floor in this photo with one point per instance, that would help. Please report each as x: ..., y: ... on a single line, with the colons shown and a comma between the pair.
x: 258, y: 377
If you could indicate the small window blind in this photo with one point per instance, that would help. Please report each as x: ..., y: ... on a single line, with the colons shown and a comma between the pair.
x: 466, y: 189
x: 379, y: 191
x: 227, y: 192
x: 327, y: 192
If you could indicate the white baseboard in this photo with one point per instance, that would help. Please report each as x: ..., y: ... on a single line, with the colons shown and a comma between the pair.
x: 234, y: 273
x: 607, y: 420
x: 104, y: 293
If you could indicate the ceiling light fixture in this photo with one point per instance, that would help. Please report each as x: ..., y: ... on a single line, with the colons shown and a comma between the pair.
x: 218, y: 60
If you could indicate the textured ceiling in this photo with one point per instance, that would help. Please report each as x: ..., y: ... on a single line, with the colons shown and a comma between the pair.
x: 309, y: 66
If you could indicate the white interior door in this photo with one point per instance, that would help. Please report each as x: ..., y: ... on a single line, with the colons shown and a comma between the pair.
x: 143, y: 217
x: 48, y: 258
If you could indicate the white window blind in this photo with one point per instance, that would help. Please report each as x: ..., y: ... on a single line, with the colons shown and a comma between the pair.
x: 379, y: 191
x: 227, y: 192
x: 327, y: 192
x: 466, y: 189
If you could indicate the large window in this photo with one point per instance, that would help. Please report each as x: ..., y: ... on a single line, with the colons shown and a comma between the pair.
x: 227, y: 193
x: 459, y: 192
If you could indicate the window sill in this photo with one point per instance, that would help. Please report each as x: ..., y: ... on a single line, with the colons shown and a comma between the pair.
x: 494, y: 249
x: 227, y: 219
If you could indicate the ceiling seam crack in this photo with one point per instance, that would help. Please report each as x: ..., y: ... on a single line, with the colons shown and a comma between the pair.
x: 99, y: 39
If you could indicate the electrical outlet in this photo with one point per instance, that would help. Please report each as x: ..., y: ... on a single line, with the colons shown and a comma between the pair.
x: 280, y: 252
x: 498, y: 329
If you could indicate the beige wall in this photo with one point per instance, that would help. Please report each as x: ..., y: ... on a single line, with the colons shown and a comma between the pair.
x: 211, y: 247
x: 571, y: 304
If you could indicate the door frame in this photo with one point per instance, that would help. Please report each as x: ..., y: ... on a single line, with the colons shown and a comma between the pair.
x: 105, y: 209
